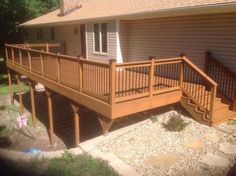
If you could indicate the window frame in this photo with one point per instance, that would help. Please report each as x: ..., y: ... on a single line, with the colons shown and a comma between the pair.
x: 100, y: 52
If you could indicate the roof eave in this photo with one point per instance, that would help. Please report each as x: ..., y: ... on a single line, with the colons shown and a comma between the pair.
x: 184, y: 11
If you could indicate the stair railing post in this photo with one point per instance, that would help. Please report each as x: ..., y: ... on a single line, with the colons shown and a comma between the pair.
x: 112, y: 81
x: 212, y: 101
x: 181, y: 71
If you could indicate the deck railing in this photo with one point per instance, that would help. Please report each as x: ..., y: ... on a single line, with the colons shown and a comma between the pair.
x: 115, y: 83
x: 199, y: 87
x: 47, y: 47
x: 224, y: 77
x: 91, y: 78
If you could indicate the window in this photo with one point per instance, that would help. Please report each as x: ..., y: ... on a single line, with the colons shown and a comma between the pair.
x: 52, y: 34
x: 100, y: 38
x: 39, y: 34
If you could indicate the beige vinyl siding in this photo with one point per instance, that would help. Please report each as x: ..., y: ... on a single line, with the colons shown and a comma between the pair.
x: 111, y: 41
x: 124, y: 42
x: 62, y: 34
x: 192, y: 35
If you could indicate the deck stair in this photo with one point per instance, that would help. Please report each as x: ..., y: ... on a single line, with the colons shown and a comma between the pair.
x: 222, y: 111
x: 206, y: 105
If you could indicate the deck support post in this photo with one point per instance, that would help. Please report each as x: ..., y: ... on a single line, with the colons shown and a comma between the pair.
x: 21, y: 107
x: 10, y: 86
x: 32, y: 94
x: 106, y: 123
x: 75, y: 107
x: 50, y: 115
x: 234, y: 100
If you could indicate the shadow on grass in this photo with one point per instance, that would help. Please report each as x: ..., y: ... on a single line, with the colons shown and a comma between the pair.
x: 67, y: 165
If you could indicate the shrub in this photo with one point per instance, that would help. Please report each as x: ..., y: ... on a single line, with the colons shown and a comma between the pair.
x: 175, y: 123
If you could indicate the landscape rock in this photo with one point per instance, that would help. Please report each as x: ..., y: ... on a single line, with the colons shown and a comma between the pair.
x: 211, y: 137
x: 196, y: 145
x: 164, y: 160
x: 227, y: 148
x: 214, y: 160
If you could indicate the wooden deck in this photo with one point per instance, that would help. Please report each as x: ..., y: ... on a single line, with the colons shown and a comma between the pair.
x: 115, y: 90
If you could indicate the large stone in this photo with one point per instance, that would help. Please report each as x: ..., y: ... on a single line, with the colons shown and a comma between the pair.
x: 229, y: 129
x: 227, y: 148
x: 164, y: 160
x: 211, y: 137
x: 214, y: 160
x: 196, y: 145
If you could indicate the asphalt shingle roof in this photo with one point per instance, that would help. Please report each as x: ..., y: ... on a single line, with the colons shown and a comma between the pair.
x: 105, y: 9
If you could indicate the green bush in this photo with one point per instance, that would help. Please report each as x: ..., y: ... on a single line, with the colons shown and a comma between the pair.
x: 175, y: 123
x: 71, y: 165
x: 67, y: 165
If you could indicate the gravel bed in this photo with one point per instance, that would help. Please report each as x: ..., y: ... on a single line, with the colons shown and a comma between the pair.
x: 152, y: 139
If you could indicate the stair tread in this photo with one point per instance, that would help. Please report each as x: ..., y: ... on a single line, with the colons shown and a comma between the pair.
x: 224, y: 116
x: 220, y: 105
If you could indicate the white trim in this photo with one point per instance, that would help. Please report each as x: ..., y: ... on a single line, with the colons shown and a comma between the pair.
x: 100, y: 40
x: 119, y: 58
x: 86, y: 39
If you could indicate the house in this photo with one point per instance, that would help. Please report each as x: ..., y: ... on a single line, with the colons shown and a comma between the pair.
x: 128, y: 30
x: 128, y: 33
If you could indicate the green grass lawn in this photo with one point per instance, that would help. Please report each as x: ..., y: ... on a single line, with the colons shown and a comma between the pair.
x: 67, y: 165
x: 4, y: 88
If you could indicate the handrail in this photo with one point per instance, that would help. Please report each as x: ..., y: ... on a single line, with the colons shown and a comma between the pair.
x: 47, y: 46
x: 200, y: 72
x: 225, y: 78
x: 69, y: 71
x: 196, y: 87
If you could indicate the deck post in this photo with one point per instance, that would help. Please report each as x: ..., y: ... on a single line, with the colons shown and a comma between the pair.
x: 80, y: 71
x: 30, y: 61
x: 207, y: 61
x: 20, y: 56
x: 75, y: 107
x: 42, y: 63
x: 112, y: 81
x: 106, y: 123
x: 50, y: 115
x: 21, y: 107
x: 47, y: 47
x: 58, y: 69
x: 10, y: 86
x: 32, y: 94
x: 13, y: 56
x: 151, y: 75
x: 6, y: 53
x: 181, y: 71
x: 212, y: 101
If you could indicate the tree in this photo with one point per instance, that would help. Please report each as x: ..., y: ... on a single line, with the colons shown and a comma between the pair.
x: 15, y: 12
